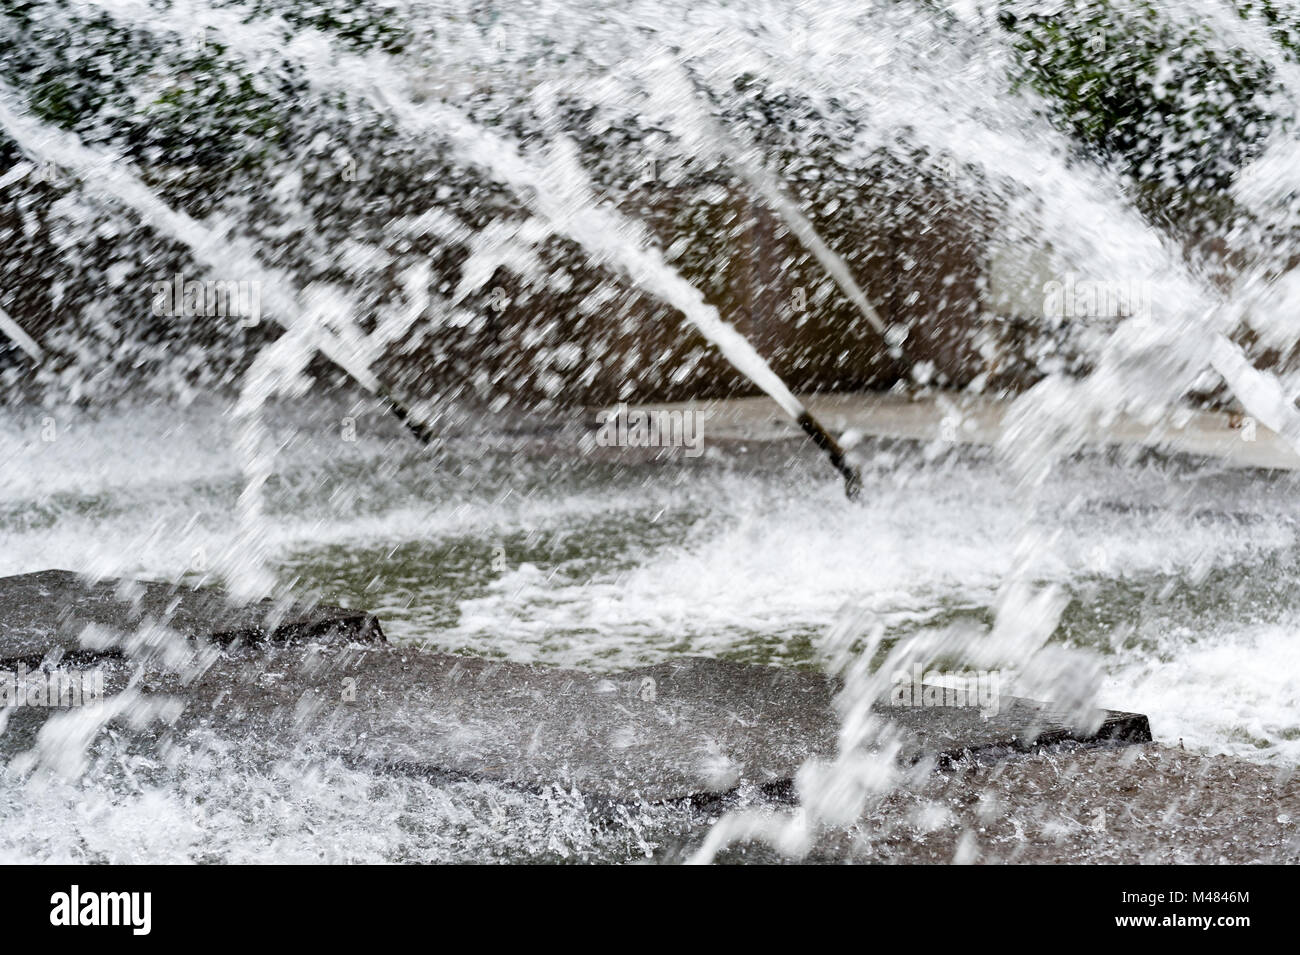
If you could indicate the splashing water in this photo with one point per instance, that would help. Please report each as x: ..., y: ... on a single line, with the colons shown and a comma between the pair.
x: 807, y: 112
x: 556, y: 188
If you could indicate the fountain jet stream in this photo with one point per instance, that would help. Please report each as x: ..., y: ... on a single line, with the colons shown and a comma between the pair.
x: 15, y: 333
x: 555, y: 187
x: 340, y: 343
x: 322, y: 324
x: 670, y: 86
x: 558, y: 192
x: 1257, y: 391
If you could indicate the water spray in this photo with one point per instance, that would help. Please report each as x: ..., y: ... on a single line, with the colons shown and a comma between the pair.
x: 65, y: 150
x: 14, y: 332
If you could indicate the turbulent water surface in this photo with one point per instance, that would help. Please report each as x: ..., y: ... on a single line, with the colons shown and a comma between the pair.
x: 512, y: 208
x: 521, y: 545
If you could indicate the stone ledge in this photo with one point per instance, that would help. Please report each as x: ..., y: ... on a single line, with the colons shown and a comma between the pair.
x: 687, y: 728
x: 48, y: 610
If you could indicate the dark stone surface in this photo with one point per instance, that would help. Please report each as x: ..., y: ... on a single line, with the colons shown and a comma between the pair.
x: 1132, y: 805
x: 690, y: 727
x: 48, y: 610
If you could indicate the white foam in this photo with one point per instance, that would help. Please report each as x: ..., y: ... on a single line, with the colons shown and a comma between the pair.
x: 714, y: 562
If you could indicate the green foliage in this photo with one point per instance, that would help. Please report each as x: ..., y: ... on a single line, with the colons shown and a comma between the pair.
x: 1283, y: 25
x: 362, y: 25
x: 211, y: 117
x: 164, y: 101
x: 1158, y: 97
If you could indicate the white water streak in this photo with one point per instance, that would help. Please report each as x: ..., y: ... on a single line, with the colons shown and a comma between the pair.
x: 553, y: 185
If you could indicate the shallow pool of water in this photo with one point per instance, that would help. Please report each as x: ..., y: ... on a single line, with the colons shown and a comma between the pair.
x: 1180, y: 578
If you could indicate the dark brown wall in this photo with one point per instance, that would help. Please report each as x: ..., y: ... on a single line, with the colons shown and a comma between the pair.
x: 918, y: 257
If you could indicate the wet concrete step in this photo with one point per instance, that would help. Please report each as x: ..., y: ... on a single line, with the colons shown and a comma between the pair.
x: 686, y: 728
x: 51, y: 609
x: 959, y: 418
